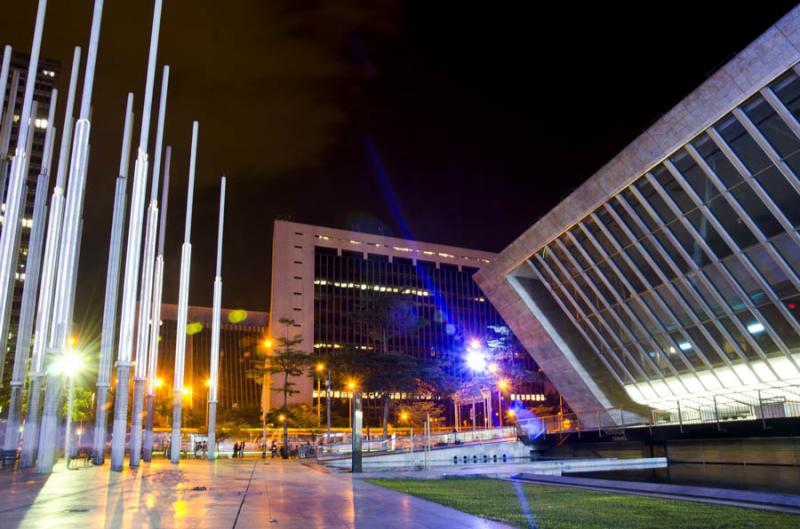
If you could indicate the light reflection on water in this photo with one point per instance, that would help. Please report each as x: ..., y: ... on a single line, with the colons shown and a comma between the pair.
x: 765, y: 478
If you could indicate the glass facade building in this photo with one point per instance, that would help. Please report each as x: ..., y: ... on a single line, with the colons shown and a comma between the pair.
x: 682, y: 279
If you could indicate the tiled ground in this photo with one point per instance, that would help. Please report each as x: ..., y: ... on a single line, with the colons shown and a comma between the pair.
x: 239, y: 494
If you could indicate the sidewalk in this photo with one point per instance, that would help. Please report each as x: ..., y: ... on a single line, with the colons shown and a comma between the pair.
x: 237, y: 494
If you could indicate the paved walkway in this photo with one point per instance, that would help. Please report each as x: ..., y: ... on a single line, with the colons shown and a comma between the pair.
x: 238, y: 494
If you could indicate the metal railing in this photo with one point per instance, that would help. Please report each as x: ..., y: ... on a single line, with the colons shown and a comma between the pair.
x: 342, y: 447
x: 770, y: 403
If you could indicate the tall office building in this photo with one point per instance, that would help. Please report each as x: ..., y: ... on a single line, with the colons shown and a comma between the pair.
x: 46, y: 80
x: 241, y: 333
x: 323, y: 277
x: 668, y: 281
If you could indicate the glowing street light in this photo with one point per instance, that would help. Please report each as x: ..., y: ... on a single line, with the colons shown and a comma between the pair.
x: 159, y: 382
x: 403, y: 416
x: 319, y: 368
x: 503, y: 384
x: 267, y: 343
x: 351, y: 385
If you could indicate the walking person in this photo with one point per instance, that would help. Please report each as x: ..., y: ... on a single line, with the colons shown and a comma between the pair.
x: 236, y: 449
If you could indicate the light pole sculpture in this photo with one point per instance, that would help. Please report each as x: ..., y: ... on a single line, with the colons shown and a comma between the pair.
x: 215, y: 329
x: 67, y: 257
x: 146, y: 291
x: 183, y: 308
x: 30, y: 437
x: 5, y: 134
x: 18, y: 176
x: 155, y: 316
x: 31, y: 287
x: 132, y: 260
x: 112, y: 290
x: 4, y: 68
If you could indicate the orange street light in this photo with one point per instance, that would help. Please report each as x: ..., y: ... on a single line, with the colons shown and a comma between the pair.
x: 71, y: 341
x: 503, y: 384
x: 159, y: 382
x: 320, y: 366
x: 282, y: 417
x: 351, y: 384
x: 267, y: 343
x: 404, y: 416
x: 207, y: 382
x: 186, y: 392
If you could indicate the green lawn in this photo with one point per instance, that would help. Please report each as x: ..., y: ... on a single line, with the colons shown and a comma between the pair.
x: 566, y: 508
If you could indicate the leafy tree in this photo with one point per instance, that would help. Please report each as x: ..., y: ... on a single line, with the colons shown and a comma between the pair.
x: 81, y: 405
x: 286, y: 360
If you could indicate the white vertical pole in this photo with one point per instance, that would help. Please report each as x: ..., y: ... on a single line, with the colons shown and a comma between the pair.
x: 215, y: 330
x: 112, y: 291
x: 4, y: 76
x: 183, y: 308
x: 132, y: 259
x: 146, y: 288
x: 31, y: 287
x: 155, y: 314
x: 30, y: 438
x: 17, y: 179
x: 67, y: 258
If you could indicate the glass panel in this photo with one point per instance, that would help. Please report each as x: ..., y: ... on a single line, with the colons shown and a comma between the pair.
x: 664, y: 212
x: 613, y: 280
x: 673, y: 188
x: 704, y: 292
x: 704, y: 346
x: 687, y: 349
x: 594, y: 276
x: 630, y: 223
x: 778, y: 324
x: 690, y: 299
x: 763, y: 342
x: 718, y: 162
x: 731, y: 222
x: 742, y: 144
x: 651, y: 223
x: 612, y: 226
x: 642, y: 265
x: 772, y: 272
x: 793, y: 304
x: 674, y: 304
x: 707, y: 232
x: 628, y: 273
x: 787, y: 88
x: 666, y: 244
x: 599, y: 238
x: 788, y: 249
x: 722, y: 342
x: 577, y: 255
x: 744, y: 276
x: 689, y: 244
x: 655, y: 255
x: 771, y: 126
x: 721, y: 285
x: 756, y: 209
x: 781, y: 193
x: 586, y: 245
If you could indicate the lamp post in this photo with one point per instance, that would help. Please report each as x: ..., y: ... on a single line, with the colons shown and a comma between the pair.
x: 267, y: 344
x: 351, y: 385
x: 69, y: 365
x: 502, y: 385
x: 319, y: 369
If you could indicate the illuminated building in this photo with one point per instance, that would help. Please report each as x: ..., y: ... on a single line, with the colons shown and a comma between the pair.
x: 241, y: 333
x: 322, y: 277
x: 669, y: 278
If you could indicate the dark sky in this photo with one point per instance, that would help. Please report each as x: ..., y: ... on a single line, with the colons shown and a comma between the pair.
x: 460, y: 123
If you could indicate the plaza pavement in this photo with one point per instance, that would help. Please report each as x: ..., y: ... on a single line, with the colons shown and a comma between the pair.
x: 226, y: 494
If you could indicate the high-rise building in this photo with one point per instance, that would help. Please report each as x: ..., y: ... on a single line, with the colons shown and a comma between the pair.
x: 324, y: 279
x: 241, y: 333
x: 669, y: 282
x: 46, y: 80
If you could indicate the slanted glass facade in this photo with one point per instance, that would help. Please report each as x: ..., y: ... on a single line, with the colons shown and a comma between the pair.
x: 686, y: 281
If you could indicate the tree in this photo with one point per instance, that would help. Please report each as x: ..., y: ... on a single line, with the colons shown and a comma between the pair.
x: 417, y: 413
x: 288, y: 361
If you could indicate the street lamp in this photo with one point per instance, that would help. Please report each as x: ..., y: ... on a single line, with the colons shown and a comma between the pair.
x: 351, y: 385
x: 265, y: 388
x: 502, y: 385
x: 319, y: 368
x: 69, y: 364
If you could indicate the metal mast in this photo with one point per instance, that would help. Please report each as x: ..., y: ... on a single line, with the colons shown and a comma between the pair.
x: 16, y: 183
x: 60, y: 325
x: 31, y: 287
x: 132, y: 259
x: 155, y: 316
x: 112, y: 291
x: 146, y: 291
x: 183, y: 308
x: 30, y: 437
x: 215, y: 328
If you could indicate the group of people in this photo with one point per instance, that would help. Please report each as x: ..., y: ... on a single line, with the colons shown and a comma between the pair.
x: 200, y: 448
x: 238, y: 449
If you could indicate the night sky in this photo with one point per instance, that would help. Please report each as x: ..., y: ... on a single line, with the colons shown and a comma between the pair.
x: 451, y: 122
